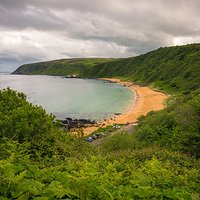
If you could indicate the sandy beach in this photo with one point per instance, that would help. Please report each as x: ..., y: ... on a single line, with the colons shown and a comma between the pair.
x: 146, y: 100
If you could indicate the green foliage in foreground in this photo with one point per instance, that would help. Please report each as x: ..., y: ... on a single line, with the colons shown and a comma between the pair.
x: 21, y: 120
x: 26, y: 123
x: 43, y: 162
x: 177, y: 127
x: 114, y: 176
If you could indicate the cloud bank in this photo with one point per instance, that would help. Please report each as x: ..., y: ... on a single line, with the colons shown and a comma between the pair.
x: 38, y: 30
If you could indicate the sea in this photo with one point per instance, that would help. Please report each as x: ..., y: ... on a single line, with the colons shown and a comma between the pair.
x: 71, y: 97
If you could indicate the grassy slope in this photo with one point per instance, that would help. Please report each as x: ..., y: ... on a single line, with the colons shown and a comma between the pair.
x: 79, y: 66
x: 170, y: 68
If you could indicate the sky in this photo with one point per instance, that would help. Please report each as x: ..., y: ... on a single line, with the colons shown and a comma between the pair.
x: 39, y: 30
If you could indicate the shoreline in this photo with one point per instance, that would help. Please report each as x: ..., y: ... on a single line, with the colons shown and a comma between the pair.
x: 145, y: 100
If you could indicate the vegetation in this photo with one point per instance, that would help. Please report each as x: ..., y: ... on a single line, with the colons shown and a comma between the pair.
x: 62, y: 67
x: 38, y: 160
x: 177, y: 127
x: 159, y: 160
x: 171, y: 69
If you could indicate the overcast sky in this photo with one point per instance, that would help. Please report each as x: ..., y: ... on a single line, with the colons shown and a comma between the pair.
x: 38, y: 30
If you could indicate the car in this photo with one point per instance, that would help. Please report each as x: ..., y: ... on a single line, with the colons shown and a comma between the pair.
x: 89, y: 139
x: 99, y: 135
x: 94, y: 137
x: 102, y: 134
x: 116, y: 126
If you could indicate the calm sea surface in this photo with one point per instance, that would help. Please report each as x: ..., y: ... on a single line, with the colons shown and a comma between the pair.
x: 76, y: 98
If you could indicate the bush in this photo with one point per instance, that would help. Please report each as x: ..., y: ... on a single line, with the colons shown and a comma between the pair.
x: 119, y: 141
x: 22, y: 121
x: 177, y: 127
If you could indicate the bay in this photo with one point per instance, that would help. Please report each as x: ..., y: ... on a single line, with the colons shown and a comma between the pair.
x: 75, y: 98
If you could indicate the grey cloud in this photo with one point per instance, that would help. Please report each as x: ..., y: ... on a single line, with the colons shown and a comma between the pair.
x: 14, y: 57
x: 4, y: 57
x: 9, y: 61
x: 133, y: 13
x: 81, y: 28
x: 30, y: 18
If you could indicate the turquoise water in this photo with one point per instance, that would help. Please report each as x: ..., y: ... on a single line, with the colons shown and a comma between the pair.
x: 75, y: 98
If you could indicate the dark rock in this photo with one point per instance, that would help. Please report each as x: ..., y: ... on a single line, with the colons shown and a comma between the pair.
x: 70, y: 119
x: 70, y: 123
x: 118, y: 113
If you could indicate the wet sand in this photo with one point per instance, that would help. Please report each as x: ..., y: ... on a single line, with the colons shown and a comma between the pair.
x: 146, y: 100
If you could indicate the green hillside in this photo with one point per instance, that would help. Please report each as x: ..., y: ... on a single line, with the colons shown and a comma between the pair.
x: 171, y: 68
x: 177, y: 68
x: 79, y: 66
